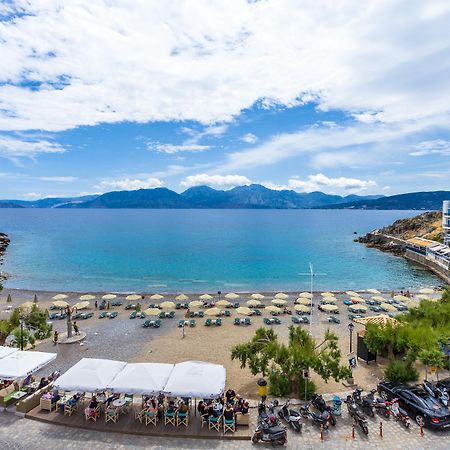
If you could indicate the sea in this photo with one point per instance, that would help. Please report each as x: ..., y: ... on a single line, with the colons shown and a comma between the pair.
x: 136, y: 250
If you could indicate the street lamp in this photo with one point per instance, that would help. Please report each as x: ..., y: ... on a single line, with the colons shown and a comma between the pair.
x: 351, y: 327
x: 21, y: 321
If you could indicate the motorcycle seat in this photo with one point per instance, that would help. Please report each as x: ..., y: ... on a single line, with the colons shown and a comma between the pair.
x: 276, y: 429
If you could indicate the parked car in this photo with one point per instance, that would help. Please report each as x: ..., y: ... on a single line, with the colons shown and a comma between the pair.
x: 426, y: 410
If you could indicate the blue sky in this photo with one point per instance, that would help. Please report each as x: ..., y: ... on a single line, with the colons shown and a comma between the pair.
x: 311, y: 96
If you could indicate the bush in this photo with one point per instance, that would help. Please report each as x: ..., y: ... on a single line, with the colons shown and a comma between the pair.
x: 279, y: 385
x: 311, y: 389
x: 401, y: 371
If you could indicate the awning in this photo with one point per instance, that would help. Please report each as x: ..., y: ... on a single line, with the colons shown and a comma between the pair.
x: 196, y: 379
x: 5, y: 351
x: 141, y: 379
x: 89, y: 375
x: 21, y: 364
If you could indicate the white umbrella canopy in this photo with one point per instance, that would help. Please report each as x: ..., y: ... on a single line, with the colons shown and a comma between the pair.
x: 181, y: 297
x: 244, y: 311
x: 327, y: 294
x: 133, y: 297
x: 231, y: 296
x: 213, y: 311
x: 81, y: 305
x: 426, y: 291
x: 6, y: 351
x: 378, y: 298
x: 304, y: 301
x: 27, y: 305
x: 373, y: 291
x: 388, y: 307
x: 306, y: 295
x: 206, y: 297
x: 281, y: 295
x: 329, y: 307
x: 423, y: 297
x: 254, y: 303
x: 223, y: 303
x: 352, y: 293
x: 109, y: 297
x: 167, y: 305
x: 302, y: 308
x: 195, y: 304
x: 89, y: 375
x: 59, y: 297
x: 279, y: 301
x: 329, y: 300
x: 86, y: 297
x: 257, y: 296
x: 156, y: 297
x: 141, y: 379
x: 60, y: 304
x: 401, y: 298
x: 21, y: 364
x: 272, y: 308
x: 152, y: 312
x: 357, y: 300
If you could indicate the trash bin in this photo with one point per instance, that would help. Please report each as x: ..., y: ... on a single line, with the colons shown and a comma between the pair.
x: 262, y: 387
x: 337, y: 405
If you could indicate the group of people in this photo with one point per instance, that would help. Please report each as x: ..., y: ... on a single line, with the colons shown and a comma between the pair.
x: 227, y: 405
x: 75, y: 327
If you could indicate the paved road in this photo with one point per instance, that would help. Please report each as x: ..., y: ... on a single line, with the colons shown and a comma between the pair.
x: 17, y: 433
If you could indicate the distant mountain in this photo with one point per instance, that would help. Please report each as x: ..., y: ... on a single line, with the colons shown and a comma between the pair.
x: 254, y: 196
x: 9, y: 205
x: 48, y: 202
x: 414, y: 200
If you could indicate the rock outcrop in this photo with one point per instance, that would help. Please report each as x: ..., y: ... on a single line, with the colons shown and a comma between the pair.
x: 4, y: 242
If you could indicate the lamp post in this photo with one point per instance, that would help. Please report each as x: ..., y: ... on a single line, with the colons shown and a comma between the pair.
x: 351, y: 327
x: 21, y: 321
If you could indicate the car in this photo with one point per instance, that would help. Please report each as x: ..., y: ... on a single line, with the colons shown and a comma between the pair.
x: 426, y: 410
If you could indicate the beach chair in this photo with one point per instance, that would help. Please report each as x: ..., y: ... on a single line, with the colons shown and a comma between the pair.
x: 236, y: 305
x: 178, y: 306
x: 142, y: 315
x: 296, y: 320
x: 229, y: 425
x: 157, y: 324
x: 70, y: 408
x: 139, y: 415
x: 171, y: 315
x: 227, y: 313
x: 102, y: 315
x: 205, y: 420
x: 162, y: 315
x: 257, y: 312
x: 201, y: 314
x: 208, y: 322
x: 113, y: 315
x: 276, y: 320
x: 112, y: 415
x: 133, y: 315
x: 218, y: 322
x: 214, y: 423
x: 150, y: 418
x: 181, y: 323
x: 52, y: 316
x: 146, y: 324
x: 237, y: 321
x: 116, y: 303
x: 192, y: 323
x: 247, y: 321
x: 129, y: 306
x: 192, y: 314
x: 267, y: 321
x: 182, y: 419
x: 93, y: 414
x: 305, y: 319
x: 169, y: 418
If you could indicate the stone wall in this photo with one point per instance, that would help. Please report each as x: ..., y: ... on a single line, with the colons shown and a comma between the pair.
x: 431, y: 265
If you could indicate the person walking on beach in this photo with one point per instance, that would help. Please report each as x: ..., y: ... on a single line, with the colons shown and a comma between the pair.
x: 75, y: 328
x: 55, y: 337
x: 96, y: 305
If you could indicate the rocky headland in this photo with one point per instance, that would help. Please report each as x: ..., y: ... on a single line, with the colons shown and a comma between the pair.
x: 4, y: 242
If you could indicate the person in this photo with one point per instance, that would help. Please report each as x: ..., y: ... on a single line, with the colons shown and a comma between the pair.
x: 96, y: 304
x: 171, y: 407
x: 108, y: 305
x: 228, y: 413
x: 152, y: 407
x: 230, y: 395
x: 244, y: 408
x: 111, y: 398
x: 42, y: 383
x: 201, y: 408
x: 183, y: 407
x: 218, y: 408
x: 93, y: 403
x: 55, y: 337
x: 75, y: 328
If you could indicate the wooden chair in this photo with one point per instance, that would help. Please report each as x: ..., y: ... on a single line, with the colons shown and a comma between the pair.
x: 70, y: 408
x: 170, y: 418
x: 182, y: 419
x: 93, y: 414
x: 139, y: 415
x: 205, y: 420
x: 111, y: 414
x: 214, y: 423
x: 150, y: 418
x: 229, y: 425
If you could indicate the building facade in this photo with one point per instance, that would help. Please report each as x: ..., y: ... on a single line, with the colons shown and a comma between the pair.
x: 446, y: 221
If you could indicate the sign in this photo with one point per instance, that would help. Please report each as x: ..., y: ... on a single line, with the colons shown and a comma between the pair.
x: 306, y: 374
x: 352, y: 362
x: 433, y: 369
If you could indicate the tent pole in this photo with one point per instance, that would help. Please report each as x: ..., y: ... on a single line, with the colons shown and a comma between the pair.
x: 195, y: 406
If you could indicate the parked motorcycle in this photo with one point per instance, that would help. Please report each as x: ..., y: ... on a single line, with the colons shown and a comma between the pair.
x: 400, y: 414
x: 266, y: 433
x: 321, y: 419
x: 364, y: 402
x: 293, y: 418
x: 438, y: 392
x: 357, y: 415
x: 380, y: 405
x: 319, y: 403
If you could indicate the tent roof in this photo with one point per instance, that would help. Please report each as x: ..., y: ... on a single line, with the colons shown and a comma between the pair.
x: 196, y: 379
x: 89, y: 375
x: 21, y: 364
x: 5, y: 351
x: 141, y: 379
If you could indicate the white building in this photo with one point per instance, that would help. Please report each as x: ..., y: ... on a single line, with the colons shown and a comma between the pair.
x: 446, y: 221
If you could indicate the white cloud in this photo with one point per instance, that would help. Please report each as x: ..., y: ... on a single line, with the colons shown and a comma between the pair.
x: 127, y: 184
x: 433, y: 147
x: 207, y: 61
x: 172, y: 148
x: 59, y: 179
x: 249, y: 138
x: 13, y: 147
x: 321, y: 182
x: 220, y: 181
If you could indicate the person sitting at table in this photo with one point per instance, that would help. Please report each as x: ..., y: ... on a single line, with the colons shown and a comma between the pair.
x: 230, y: 395
x: 171, y: 409
x: 218, y: 408
x: 42, y: 383
x: 201, y: 408
x: 93, y: 403
x: 228, y: 413
x: 183, y: 408
x: 110, y: 399
x: 244, y: 408
x: 28, y: 380
x: 152, y: 406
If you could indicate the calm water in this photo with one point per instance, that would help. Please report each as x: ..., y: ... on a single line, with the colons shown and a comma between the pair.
x: 199, y: 250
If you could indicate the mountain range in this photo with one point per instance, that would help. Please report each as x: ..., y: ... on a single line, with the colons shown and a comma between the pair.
x: 253, y: 196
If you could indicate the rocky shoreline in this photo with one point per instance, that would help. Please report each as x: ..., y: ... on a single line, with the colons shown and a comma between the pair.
x: 4, y: 242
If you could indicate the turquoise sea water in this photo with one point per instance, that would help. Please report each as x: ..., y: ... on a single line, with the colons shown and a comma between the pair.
x: 200, y: 250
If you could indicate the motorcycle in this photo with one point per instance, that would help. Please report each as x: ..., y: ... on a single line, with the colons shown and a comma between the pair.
x: 400, y: 414
x: 293, y: 418
x: 319, y: 403
x: 364, y: 402
x: 438, y: 392
x: 321, y: 419
x: 381, y: 406
x: 357, y: 415
x: 266, y: 433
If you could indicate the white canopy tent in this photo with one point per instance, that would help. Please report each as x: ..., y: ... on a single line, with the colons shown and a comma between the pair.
x: 89, y: 375
x: 141, y: 379
x: 20, y: 364
x: 196, y: 379
x: 5, y: 351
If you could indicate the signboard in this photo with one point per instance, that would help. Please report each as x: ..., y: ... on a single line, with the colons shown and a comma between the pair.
x: 352, y: 362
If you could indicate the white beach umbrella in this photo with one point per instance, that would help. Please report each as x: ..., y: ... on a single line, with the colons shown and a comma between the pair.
x: 60, y: 304
x: 373, y: 291
x: 329, y: 307
x: 181, y: 297
x: 156, y: 297
x: 401, y: 298
x: 281, y: 295
x: 272, y: 308
x: 302, y: 308
x: 133, y: 297
x: 223, y: 303
x: 257, y: 296
x: 195, y: 304
x: 357, y: 300
x: 213, y: 311
x: 206, y: 297
x: 306, y: 295
x: 327, y: 294
x: 378, y: 298
x: 426, y: 291
x: 388, y: 307
x: 357, y: 308
x: 152, y: 312
x: 352, y: 293
x: 109, y: 297
x: 254, y: 303
x: 304, y: 301
x: 329, y: 300
x: 167, y: 305
x: 244, y: 311
x: 279, y: 301
x: 231, y: 296
x: 81, y: 305
x: 59, y: 297
x: 87, y: 297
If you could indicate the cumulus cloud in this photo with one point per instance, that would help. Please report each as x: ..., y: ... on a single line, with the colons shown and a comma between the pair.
x: 320, y: 182
x: 220, y: 181
x: 249, y: 138
x: 128, y: 184
x: 206, y: 61
x: 15, y: 147
x: 433, y: 147
x: 173, y: 148
x: 59, y: 179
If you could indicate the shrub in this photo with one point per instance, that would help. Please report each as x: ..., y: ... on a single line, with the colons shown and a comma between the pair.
x: 401, y: 371
x: 279, y: 385
x: 311, y: 389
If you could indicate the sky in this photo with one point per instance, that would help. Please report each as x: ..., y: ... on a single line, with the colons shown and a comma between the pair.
x: 343, y: 97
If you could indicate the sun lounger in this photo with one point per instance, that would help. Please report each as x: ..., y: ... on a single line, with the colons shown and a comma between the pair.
x: 102, y: 315
x: 227, y: 313
x: 247, y: 321
x: 296, y: 320
x: 219, y: 322
x: 236, y: 305
x: 116, y: 303
x: 208, y: 322
x: 85, y: 316
x: 192, y: 323
x: 130, y: 306
x: 237, y: 321
x: 181, y: 323
x: 133, y: 315
x: 113, y: 315
x: 258, y: 312
x: 277, y: 320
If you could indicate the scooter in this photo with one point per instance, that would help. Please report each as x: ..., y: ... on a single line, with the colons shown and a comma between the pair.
x: 293, y: 418
x: 357, y: 415
x: 364, y: 402
x: 440, y: 393
x: 400, y: 414
x: 268, y: 428
x: 321, y: 419
x: 381, y: 406
x: 319, y: 403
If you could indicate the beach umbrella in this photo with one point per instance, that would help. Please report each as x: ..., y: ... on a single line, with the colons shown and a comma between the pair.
x: 205, y: 297
x: 329, y: 308
x: 257, y: 296
x: 133, y: 297
x: 254, y: 303
x: 401, y: 298
x: 59, y: 297
x: 272, y: 308
x: 223, y: 303
x: 378, y: 298
x: 388, y: 307
x: 423, y: 297
x: 357, y: 300
x: 60, y: 304
x: 156, y: 297
x: 27, y: 305
x: 152, y: 312
x: 167, y: 305
x: 213, y: 311
x: 357, y: 308
x: 303, y: 301
x: 231, y: 296
x: 306, y: 295
x: 426, y: 291
x: 373, y: 291
x: 81, y: 305
x: 327, y: 294
x: 352, y: 293
x: 281, y: 295
x: 302, y: 308
x: 181, y: 297
x: 411, y: 303
x: 244, y: 311
x: 87, y: 297
x: 109, y: 297
x: 195, y: 304
x: 329, y: 300
x: 279, y: 301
